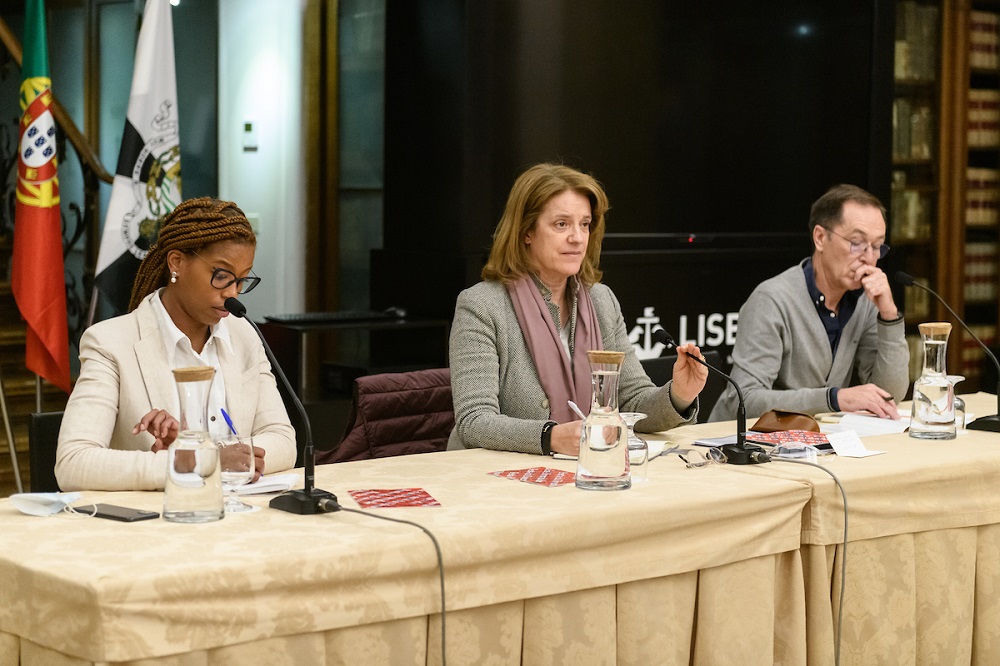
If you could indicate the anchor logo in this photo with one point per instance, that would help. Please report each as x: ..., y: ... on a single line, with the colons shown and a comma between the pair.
x: 646, y: 325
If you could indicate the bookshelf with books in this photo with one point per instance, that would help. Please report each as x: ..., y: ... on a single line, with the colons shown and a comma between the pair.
x: 917, y: 179
x: 945, y: 208
x: 977, y: 204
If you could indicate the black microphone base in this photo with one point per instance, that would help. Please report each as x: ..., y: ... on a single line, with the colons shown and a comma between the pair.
x: 987, y: 423
x: 302, y: 503
x: 748, y: 454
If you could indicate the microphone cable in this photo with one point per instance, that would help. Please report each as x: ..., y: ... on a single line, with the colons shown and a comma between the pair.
x: 437, y: 549
x: 843, y: 560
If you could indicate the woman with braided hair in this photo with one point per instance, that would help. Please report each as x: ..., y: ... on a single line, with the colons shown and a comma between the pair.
x: 121, y: 415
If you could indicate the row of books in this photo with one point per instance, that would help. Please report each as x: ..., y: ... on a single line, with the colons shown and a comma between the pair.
x: 916, y: 41
x: 912, y: 211
x: 912, y: 129
x: 982, y: 197
x: 972, y: 354
x: 982, y: 192
x: 971, y: 358
x: 984, y: 40
x: 984, y: 118
x: 981, y: 275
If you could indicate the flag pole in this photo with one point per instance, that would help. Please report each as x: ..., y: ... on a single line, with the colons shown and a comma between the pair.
x: 10, y: 436
x: 92, y: 310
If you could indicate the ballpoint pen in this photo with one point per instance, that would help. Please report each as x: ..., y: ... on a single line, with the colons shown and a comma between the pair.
x: 229, y: 422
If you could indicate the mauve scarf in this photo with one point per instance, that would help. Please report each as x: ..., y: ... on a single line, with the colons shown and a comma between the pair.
x: 562, y: 378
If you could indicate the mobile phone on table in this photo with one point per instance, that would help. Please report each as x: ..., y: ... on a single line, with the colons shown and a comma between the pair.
x: 122, y: 513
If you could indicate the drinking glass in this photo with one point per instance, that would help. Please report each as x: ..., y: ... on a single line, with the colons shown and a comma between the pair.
x: 638, y: 450
x: 959, y: 402
x: 237, y: 464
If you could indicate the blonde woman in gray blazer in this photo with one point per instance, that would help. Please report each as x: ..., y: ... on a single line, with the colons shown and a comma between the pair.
x: 122, y: 413
x: 519, y: 338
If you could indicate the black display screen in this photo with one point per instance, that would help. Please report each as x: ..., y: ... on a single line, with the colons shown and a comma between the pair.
x: 712, y: 125
x: 706, y: 118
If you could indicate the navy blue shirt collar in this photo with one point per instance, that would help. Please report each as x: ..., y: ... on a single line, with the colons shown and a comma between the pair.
x: 833, y: 322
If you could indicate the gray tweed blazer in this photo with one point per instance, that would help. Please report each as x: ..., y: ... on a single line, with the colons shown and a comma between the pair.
x: 499, y: 402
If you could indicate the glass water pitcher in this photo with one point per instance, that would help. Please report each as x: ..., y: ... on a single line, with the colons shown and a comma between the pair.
x: 193, y: 489
x: 603, y: 463
x: 934, y: 391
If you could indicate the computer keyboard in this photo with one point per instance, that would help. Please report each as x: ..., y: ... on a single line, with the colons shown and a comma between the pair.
x: 336, y: 316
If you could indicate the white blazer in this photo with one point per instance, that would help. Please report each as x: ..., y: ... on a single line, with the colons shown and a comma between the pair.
x: 124, y: 374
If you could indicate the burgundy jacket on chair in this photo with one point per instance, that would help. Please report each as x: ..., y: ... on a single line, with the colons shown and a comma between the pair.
x: 396, y: 414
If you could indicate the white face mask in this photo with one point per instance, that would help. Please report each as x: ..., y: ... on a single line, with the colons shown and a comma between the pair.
x: 42, y: 504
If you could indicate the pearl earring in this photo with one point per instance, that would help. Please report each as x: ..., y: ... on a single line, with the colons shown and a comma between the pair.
x: 173, y: 277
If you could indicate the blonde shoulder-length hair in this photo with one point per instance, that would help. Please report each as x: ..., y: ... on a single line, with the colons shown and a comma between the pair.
x: 533, y: 189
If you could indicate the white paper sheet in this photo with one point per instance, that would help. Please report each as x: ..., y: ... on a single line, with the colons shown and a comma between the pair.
x: 866, y: 425
x: 278, y: 483
x: 849, y: 445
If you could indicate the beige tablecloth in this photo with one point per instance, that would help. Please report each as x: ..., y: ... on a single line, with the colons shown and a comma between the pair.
x: 534, y: 575
x: 923, y: 562
x: 695, y: 566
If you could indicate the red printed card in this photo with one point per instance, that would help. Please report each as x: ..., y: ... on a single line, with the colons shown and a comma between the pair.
x: 379, y: 498
x: 788, y: 436
x: 543, y: 476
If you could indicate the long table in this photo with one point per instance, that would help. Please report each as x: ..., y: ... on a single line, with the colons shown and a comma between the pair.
x: 718, y: 565
x: 693, y: 566
x: 923, y: 554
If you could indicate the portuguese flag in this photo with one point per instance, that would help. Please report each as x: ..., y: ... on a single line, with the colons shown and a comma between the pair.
x: 37, y: 278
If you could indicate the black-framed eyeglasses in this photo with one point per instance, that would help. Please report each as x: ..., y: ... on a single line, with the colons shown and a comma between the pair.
x: 222, y: 279
x: 860, y: 247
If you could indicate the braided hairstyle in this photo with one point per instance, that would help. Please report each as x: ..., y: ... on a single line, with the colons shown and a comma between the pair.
x: 192, y: 225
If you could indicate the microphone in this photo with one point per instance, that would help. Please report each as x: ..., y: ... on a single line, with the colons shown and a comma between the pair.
x: 309, y: 500
x: 740, y: 453
x: 988, y: 423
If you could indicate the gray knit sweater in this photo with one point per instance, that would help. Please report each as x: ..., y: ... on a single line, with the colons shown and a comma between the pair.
x: 782, y: 358
x: 499, y: 402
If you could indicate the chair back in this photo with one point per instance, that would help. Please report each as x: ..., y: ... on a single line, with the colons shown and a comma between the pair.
x: 396, y: 414
x: 661, y: 370
x: 43, y: 438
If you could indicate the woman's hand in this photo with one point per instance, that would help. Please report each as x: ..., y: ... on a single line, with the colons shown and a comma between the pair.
x: 161, y: 425
x: 258, y: 463
x: 566, y: 438
x: 234, y: 458
x: 689, y: 377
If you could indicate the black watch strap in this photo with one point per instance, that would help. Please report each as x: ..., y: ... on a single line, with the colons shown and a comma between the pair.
x: 547, y: 437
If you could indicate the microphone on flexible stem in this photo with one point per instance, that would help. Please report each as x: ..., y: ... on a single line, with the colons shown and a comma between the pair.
x: 310, y: 499
x: 989, y: 423
x: 740, y: 453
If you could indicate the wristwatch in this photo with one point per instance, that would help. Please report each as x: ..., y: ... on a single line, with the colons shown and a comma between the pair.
x: 547, y: 437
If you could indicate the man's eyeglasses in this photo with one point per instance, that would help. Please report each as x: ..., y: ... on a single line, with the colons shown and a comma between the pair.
x: 222, y: 279
x: 860, y: 247
x: 695, y: 458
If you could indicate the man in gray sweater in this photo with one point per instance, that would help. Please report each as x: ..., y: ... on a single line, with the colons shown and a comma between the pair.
x: 808, y: 333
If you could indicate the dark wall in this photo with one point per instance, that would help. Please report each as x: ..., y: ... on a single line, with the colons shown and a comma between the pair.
x: 713, y: 126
